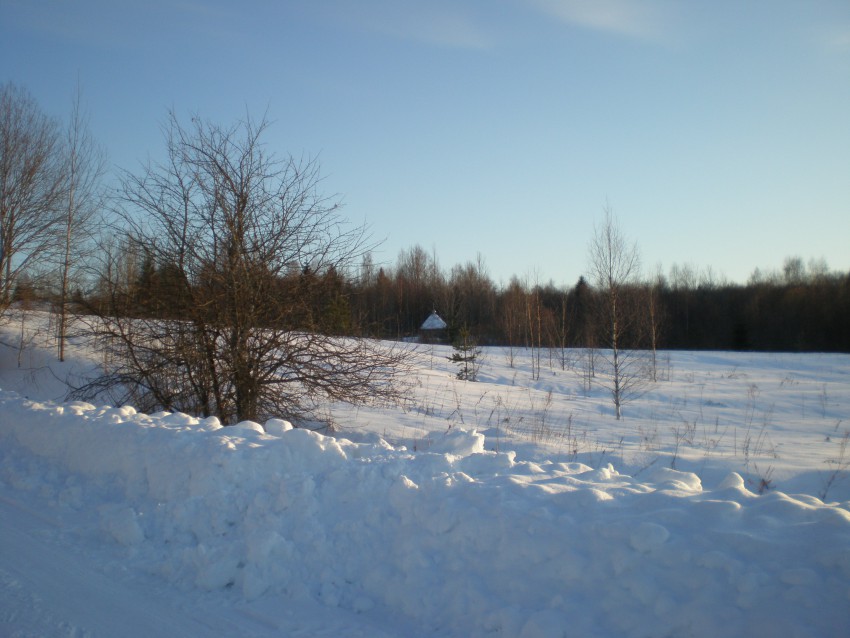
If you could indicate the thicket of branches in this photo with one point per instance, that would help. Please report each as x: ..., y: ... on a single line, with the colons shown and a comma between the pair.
x: 49, y: 194
x: 33, y: 188
x: 232, y: 307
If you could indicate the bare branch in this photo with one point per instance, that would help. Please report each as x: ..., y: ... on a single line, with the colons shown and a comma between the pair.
x: 221, y: 318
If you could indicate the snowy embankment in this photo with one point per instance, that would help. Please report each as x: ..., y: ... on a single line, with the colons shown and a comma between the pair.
x: 455, y: 541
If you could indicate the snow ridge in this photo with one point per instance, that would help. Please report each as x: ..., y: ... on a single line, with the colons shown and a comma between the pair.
x: 456, y: 541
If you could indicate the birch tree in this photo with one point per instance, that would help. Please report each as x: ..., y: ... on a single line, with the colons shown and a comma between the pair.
x: 615, y: 268
x: 84, y: 167
x: 32, y: 186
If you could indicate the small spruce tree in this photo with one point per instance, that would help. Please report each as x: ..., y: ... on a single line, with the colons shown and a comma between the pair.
x: 466, y: 354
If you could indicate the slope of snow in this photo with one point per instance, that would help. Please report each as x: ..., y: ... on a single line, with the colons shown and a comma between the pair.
x: 119, y: 523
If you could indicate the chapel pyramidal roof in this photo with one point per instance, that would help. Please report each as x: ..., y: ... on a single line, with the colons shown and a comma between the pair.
x: 433, y: 322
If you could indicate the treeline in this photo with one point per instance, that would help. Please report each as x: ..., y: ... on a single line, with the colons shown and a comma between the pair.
x: 797, y: 309
x: 792, y: 310
x: 774, y: 315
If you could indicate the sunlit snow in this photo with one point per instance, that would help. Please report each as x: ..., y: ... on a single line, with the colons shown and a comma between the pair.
x: 508, y: 507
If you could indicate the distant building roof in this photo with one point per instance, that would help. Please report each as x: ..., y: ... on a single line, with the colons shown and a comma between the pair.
x: 433, y: 322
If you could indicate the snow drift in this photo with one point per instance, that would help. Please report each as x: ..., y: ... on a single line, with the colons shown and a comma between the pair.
x: 455, y: 541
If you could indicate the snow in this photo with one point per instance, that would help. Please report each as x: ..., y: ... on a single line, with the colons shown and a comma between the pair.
x: 510, y: 507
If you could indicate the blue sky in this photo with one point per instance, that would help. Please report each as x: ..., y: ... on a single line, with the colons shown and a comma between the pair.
x: 718, y: 132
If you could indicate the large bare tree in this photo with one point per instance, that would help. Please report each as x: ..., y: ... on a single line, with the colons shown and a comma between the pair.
x: 235, y: 246
x: 32, y: 185
x: 85, y: 164
x: 615, y: 268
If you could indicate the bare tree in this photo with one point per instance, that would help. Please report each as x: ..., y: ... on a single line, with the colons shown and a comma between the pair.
x: 238, y: 242
x: 615, y: 267
x: 512, y: 316
x: 31, y: 186
x: 418, y: 281
x: 471, y: 296
x: 654, y: 319
x: 564, y: 331
x: 532, y: 318
x: 85, y: 165
x: 537, y: 321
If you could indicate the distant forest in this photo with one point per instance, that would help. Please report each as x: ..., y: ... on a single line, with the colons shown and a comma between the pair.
x: 796, y: 309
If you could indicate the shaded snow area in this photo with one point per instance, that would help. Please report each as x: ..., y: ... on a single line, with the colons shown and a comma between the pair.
x: 411, y: 523
x: 458, y: 542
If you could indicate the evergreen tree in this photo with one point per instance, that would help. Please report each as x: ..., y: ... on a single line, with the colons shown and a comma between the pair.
x: 466, y: 354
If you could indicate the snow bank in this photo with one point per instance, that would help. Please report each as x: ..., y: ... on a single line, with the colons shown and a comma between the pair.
x: 456, y: 541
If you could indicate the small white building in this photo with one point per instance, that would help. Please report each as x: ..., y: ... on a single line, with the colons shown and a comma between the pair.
x: 433, y: 329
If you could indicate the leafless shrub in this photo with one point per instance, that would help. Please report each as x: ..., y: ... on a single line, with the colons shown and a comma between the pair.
x: 243, y: 247
x: 838, y: 466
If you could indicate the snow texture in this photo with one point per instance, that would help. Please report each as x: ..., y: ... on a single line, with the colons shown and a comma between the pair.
x: 114, y: 522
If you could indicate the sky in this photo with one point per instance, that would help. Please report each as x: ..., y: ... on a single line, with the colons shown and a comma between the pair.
x: 717, y: 133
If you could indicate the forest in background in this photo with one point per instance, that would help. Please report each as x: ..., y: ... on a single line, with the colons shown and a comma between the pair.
x: 799, y: 308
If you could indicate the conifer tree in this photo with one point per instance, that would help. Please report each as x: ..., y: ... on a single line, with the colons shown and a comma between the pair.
x: 466, y: 354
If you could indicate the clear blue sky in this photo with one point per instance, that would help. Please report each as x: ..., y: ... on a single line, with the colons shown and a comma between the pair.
x: 718, y: 132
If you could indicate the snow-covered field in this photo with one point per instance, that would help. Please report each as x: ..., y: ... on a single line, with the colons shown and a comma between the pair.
x: 718, y: 506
